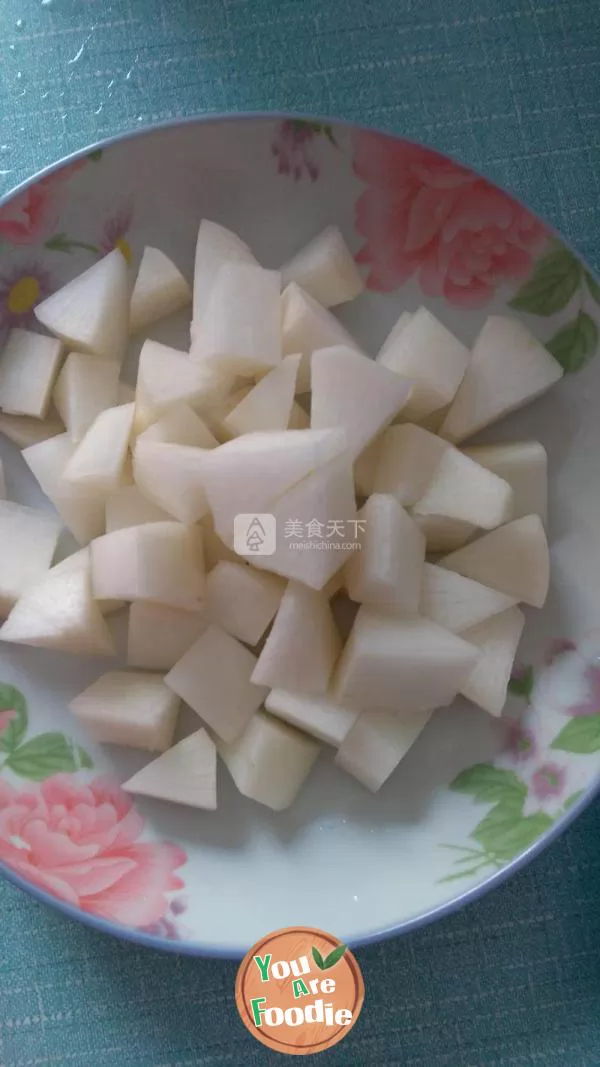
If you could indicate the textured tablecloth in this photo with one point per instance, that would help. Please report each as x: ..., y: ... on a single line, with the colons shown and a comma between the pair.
x: 512, y: 87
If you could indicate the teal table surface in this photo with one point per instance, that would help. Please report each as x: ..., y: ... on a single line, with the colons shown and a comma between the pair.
x: 513, y: 88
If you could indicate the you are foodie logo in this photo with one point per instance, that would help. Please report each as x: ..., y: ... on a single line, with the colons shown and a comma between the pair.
x: 299, y: 991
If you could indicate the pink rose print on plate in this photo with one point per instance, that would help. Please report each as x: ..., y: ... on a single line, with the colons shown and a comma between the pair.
x: 423, y: 215
x: 33, y: 214
x: 81, y: 843
x: 591, y: 704
x: 548, y: 781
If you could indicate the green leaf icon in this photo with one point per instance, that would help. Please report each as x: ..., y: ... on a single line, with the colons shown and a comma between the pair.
x: 489, y: 784
x: 12, y: 699
x: 334, y: 956
x: 581, y: 735
x: 554, y: 281
x: 317, y: 957
x: 575, y: 344
x: 45, y: 755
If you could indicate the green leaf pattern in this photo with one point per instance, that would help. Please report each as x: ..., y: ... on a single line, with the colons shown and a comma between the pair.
x: 41, y: 756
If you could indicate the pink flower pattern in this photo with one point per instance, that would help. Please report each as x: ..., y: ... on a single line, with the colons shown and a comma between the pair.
x: 548, y: 781
x: 293, y: 148
x: 6, y: 717
x: 33, y: 214
x: 591, y: 704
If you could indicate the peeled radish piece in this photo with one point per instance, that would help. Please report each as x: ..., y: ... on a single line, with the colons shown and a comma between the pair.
x: 443, y: 534
x: 342, y: 379
x: 299, y: 419
x: 173, y: 477
x: 316, y: 715
x: 463, y: 489
x: 241, y: 326
x: 216, y: 414
x: 131, y: 708
x: 215, y: 247
x: 58, y: 612
x: 127, y: 506
x: 84, y: 388
x: 159, y: 561
x: 508, y: 368
x: 180, y: 426
x: 377, y: 743
x: 214, y: 548
x: 159, y: 290
x: 269, y: 761
x: 82, y: 561
x: 47, y: 460
x: 91, y: 313
x: 524, y: 465
x: 325, y: 269
x: 393, y: 335
x: 457, y: 603
x: 498, y: 639
x: 386, y: 572
x: 407, y: 664
x: 24, y: 431
x: 185, y: 774
x: 365, y: 468
x: 27, y: 543
x: 429, y: 354
x: 96, y: 465
x: 29, y: 364
x: 167, y: 377
x: 268, y: 406
x: 513, y: 559
x: 241, y: 600
x: 307, y: 326
x: 408, y: 460
x: 213, y: 677
x: 158, y: 636
x: 303, y: 645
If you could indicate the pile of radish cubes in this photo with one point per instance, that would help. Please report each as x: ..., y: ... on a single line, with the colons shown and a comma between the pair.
x: 449, y: 538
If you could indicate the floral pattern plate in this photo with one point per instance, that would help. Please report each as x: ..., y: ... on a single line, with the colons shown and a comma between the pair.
x: 475, y: 797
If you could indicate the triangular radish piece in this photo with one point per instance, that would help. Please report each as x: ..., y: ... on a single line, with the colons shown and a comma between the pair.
x: 85, y: 387
x: 365, y: 468
x: 342, y: 379
x: 25, y: 431
x: 269, y: 404
x: 524, y: 465
x: 242, y: 600
x: 158, y: 636
x: 215, y: 246
x: 158, y: 561
x: 132, y: 708
x: 513, y: 559
x: 27, y: 543
x: 159, y: 290
x: 393, y: 335
x: 180, y: 426
x: 127, y: 506
x: 463, y: 489
x: 443, y: 534
x: 457, y: 603
x: 307, y: 326
x: 172, y: 476
x: 508, y: 368
x: 303, y: 645
x: 166, y: 377
x: 241, y: 327
x: 185, y: 774
x: 91, y: 313
x: 59, y: 613
x: 317, y: 715
x: 82, y: 561
x: 96, y: 465
x: 386, y: 571
x: 376, y: 744
x: 498, y: 639
x: 326, y: 269
x: 408, y: 459
x: 28, y: 369
x: 47, y: 460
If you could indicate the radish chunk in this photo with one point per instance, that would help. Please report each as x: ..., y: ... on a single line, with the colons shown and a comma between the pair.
x: 47, y: 460
x: 96, y: 466
x: 128, y: 507
x: 303, y: 646
x: 24, y: 431
x: 377, y: 743
x: 317, y: 715
x: 28, y: 367
x: 180, y: 426
x: 457, y: 603
x: 443, y: 534
x: 242, y: 601
x: 508, y: 368
x: 269, y: 405
x: 159, y: 290
x: 241, y: 327
x: 429, y: 354
x: 84, y: 388
x: 386, y: 571
x: 213, y: 677
x: 27, y: 543
x: 172, y: 476
x: 365, y: 468
x: 342, y: 380
x: 214, y: 548
x: 185, y: 774
x: 91, y: 313
x: 513, y: 559
x: 462, y: 489
x: 406, y: 665
x: 82, y: 561
x: 524, y: 465
x: 498, y: 639
x: 325, y: 269
x: 393, y: 336
x: 215, y: 247
x: 307, y: 326
x: 129, y: 708
x: 167, y: 377
x: 59, y: 612
x: 158, y: 636
x: 269, y: 761
x: 159, y: 561
x: 408, y: 460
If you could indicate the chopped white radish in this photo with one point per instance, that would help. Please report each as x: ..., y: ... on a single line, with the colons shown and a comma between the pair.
x: 158, y: 636
x: 59, y: 612
x: 317, y: 715
x: 377, y: 743
x: 365, y: 468
x: 47, y: 460
x: 216, y: 414
x: 159, y: 561
x: 429, y: 354
x: 241, y: 600
x: 299, y: 418
x: 508, y: 368
x: 85, y: 387
x: 25, y: 431
x: 213, y: 677
x: 498, y: 639
x: 463, y: 489
x: 524, y: 465
x: 82, y: 561
x: 303, y: 646
x: 443, y: 534
x: 407, y: 665
x: 214, y: 548
x: 167, y: 377
x: 386, y: 571
x: 180, y: 426
x: 159, y: 290
x: 269, y: 761
x: 241, y: 326
x: 393, y: 335
x: 27, y: 543
x: 513, y: 559
x: 308, y: 326
x: 408, y: 460
x: 457, y: 603
x: 127, y: 506
x: 215, y: 247
x: 96, y: 466
x: 269, y: 405
x: 325, y: 269
x: 131, y: 708
x: 91, y: 313
x: 185, y: 774
x: 342, y: 379
x: 173, y: 477
x: 29, y: 364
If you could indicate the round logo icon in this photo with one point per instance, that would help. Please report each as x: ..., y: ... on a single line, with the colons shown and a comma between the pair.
x: 299, y: 990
